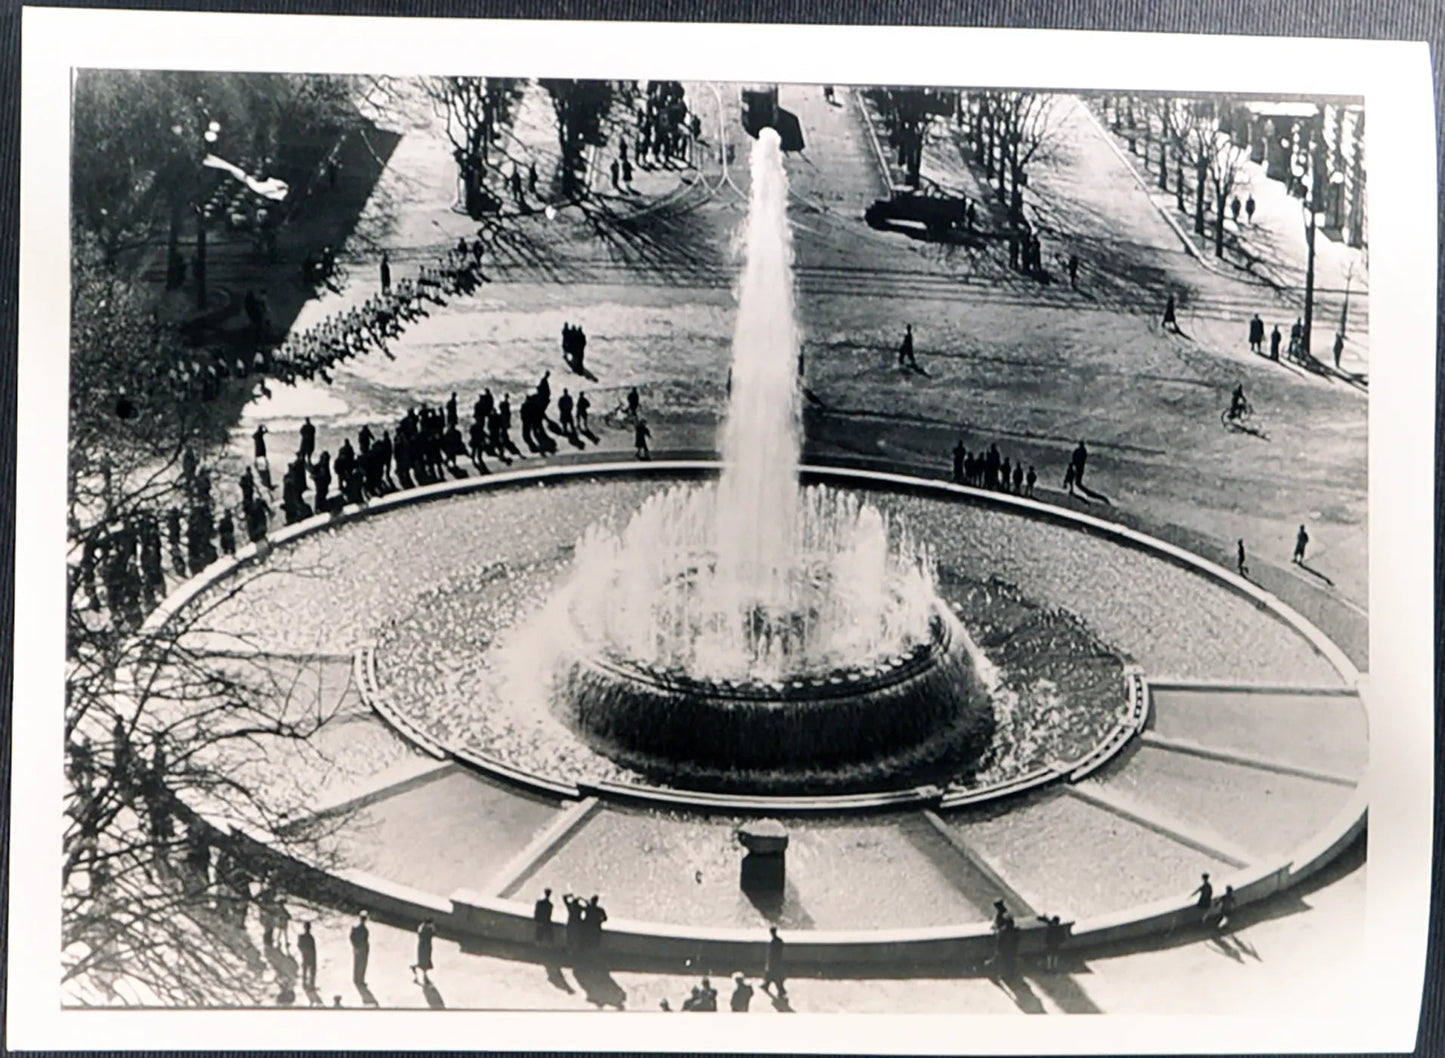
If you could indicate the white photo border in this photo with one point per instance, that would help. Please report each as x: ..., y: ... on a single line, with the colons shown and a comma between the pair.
x: 1393, y: 77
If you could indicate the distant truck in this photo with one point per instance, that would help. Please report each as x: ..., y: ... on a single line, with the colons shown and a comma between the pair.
x: 938, y: 214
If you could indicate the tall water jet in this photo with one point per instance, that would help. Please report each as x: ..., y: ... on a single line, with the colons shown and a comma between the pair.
x: 751, y: 627
x: 761, y: 435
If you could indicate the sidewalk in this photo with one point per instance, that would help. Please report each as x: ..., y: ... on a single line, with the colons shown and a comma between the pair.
x: 1272, y: 250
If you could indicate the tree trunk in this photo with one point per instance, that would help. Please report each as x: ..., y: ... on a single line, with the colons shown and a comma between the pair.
x: 1199, y: 200
x: 1218, y: 225
x: 1163, y: 165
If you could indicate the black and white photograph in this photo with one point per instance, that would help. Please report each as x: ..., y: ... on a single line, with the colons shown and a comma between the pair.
x: 650, y: 533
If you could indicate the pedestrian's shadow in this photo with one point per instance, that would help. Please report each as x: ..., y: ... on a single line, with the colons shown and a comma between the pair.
x: 587, y: 433
x: 1097, y: 497
x: 558, y: 980
x: 1253, y: 431
x: 313, y: 996
x: 1315, y: 573
x: 583, y: 371
x: 600, y: 987
x: 433, y: 997
x: 1017, y: 989
x: 780, y: 1003
x: 367, y: 998
x: 917, y: 369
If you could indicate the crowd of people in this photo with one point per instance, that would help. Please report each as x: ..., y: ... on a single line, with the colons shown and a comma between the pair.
x: 371, y: 325
x: 987, y: 469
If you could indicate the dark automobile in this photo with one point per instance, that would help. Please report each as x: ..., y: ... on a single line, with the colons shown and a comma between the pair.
x: 939, y: 214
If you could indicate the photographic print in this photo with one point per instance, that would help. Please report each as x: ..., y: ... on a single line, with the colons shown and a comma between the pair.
x: 654, y: 543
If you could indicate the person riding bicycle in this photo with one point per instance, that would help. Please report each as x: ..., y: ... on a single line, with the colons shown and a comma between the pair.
x: 1237, y: 404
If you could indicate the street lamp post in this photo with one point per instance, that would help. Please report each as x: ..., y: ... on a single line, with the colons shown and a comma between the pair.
x: 209, y: 135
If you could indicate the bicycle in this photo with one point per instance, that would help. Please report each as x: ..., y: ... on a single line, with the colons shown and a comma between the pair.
x: 1236, y: 416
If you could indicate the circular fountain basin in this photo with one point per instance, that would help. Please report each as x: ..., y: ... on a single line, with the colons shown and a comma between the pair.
x: 881, y: 717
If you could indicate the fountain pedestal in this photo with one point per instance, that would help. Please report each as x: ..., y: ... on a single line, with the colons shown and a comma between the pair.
x: 764, y: 870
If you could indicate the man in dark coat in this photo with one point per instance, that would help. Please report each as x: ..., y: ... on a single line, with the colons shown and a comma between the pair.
x: 306, y: 945
x: 542, y: 920
x: 773, y: 968
x: 1256, y: 334
x: 360, y: 950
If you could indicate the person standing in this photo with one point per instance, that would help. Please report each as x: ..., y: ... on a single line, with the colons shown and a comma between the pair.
x: 1301, y: 541
x: 613, y: 169
x: 385, y: 273
x: 1224, y: 909
x: 1073, y: 266
x: 574, y: 928
x: 258, y: 443
x: 308, y: 440
x: 564, y: 414
x: 1274, y: 340
x: 542, y: 920
x: 773, y: 969
x: 583, y: 404
x: 742, y: 996
x: 959, y: 454
x: 360, y: 950
x: 1234, y: 209
x: 1054, y: 934
x: 1249, y: 209
x: 1296, y: 339
x: 1029, y: 480
x: 1256, y: 334
x: 634, y: 403
x: 1243, y: 568
x: 306, y: 946
x: 424, y: 934
x: 1339, y: 347
x: 1170, y: 319
x: 640, y: 434
x: 1205, y: 893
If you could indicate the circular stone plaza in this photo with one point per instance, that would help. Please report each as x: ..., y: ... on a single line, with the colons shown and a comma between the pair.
x: 594, y: 674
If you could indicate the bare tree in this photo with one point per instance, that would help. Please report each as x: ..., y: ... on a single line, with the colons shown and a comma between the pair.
x: 581, y: 108
x: 474, y: 111
x: 1225, y: 159
x: 170, y: 742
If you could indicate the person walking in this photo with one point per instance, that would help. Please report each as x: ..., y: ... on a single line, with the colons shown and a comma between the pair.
x: 640, y: 434
x: 634, y: 403
x: 385, y: 273
x: 1170, y: 320
x: 1239, y: 559
x: 542, y: 932
x: 1249, y: 209
x: 1296, y: 339
x: 1301, y: 541
x: 1029, y: 480
x: 959, y: 454
x: 1274, y: 340
x: 1256, y: 334
x: 306, y: 946
x: 1080, y: 457
x: 1073, y: 267
x: 1339, y: 347
x: 614, y: 168
x: 1234, y: 206
x: 360, y: 950
x: 583, y: 405
x: 773, y: 968
x: 905, y: 348
x: 424, y: 934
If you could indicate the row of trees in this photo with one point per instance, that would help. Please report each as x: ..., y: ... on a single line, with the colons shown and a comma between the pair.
x: 478, y: 113
x: 1179, y: 135
x: 138, y: 137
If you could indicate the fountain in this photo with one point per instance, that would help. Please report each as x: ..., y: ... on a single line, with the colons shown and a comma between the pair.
x: 751, y: 626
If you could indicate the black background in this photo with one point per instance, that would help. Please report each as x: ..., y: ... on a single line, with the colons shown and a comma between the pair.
x: 1382, y: 19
